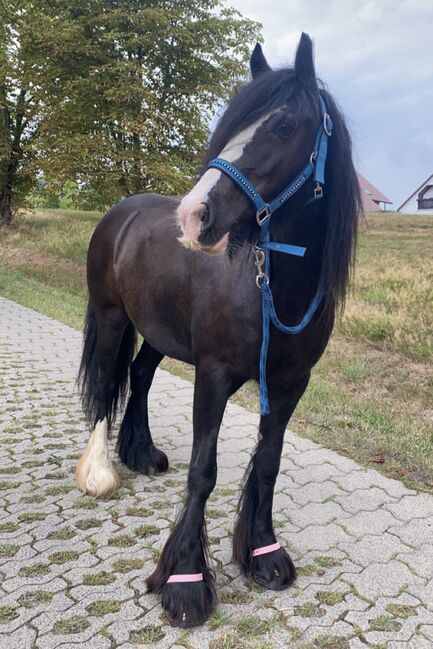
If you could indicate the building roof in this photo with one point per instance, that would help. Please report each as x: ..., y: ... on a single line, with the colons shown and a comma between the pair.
x: 371, y: 196
x: 415, y: 192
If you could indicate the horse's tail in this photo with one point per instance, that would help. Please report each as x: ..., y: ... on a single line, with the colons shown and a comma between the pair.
x: 96, y: 405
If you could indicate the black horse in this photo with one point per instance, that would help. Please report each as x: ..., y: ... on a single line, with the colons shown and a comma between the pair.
x: 205, y: 309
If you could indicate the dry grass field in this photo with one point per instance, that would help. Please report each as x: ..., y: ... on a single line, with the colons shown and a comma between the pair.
x: 371, y: 394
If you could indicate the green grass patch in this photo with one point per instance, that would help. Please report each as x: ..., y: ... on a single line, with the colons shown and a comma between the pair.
x: 103, y: 607
x: 8, y: 549
x: 35, y: 570
x: 71, y: 625
x: 253, y: 627
x: 329, y: 597
x: 58, y: 491
x: 101, y: 578
x: 121, y: 541
x: 309, y: 609
x: 7, y: 614
x: 10, y: 470
x: 63, y: 534
x: 125, y: 565
x: 146, y: 530
x: 150, y: 634
x: 63, y: 556
x: 9, y: 527
x: 6, y: 485
x: 31, y: 517
x: 403, y: 611
x: 88, y: 523
x: 384, y: 623
x: 34, y: 598
x: 328, y: 641
x: 235, y: 597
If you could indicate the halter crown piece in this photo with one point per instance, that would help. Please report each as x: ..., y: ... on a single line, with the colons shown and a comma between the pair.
x: 264, y: 211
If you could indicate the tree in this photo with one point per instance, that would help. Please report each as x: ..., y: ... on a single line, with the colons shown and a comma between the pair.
x: 18, y: 112
x: 125, y: 89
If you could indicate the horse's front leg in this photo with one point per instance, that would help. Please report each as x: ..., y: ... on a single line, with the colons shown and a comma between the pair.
x: 182, y: 575
x: 255, y: 548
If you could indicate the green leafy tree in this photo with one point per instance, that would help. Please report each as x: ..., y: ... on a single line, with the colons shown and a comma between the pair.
x: 122, y: 90
x: 138, y: 80
x: 18, y: 103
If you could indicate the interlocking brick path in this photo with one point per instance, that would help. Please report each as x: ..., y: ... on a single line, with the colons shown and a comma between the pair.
x: 72, y: 569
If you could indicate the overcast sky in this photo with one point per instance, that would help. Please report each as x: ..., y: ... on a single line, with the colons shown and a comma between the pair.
x: 376, y: 57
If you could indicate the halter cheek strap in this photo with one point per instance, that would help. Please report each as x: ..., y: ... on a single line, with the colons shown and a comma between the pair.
x: 315, y: 169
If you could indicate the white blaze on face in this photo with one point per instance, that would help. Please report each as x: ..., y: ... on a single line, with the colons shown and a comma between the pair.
x: 192, y: 204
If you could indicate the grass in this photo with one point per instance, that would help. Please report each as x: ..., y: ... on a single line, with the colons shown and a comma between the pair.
x: 150, y: 634
x: 103, y: 607
x: 8, y: 550
x: 35, y: 570
x: 370, y: 394
x: 101, y: 578
x: 76, y: 624
x: 35, y: 598
x: 384, y: 623
x: 63, y: 556
x: 7, y: 614
x: 402, y: 611
x: 125, y: 565
x: 329, y: 597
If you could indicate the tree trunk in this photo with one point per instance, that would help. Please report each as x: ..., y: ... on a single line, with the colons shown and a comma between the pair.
x: 6, y: 213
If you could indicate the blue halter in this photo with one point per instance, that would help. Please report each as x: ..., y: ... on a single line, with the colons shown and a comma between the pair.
x: 316, y: 169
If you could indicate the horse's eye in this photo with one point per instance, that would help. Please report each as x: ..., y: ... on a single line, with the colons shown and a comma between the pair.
x: 285, y: 127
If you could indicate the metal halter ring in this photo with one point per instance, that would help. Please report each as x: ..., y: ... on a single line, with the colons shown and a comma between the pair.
x: 266, y: 212
x: 327, y: 124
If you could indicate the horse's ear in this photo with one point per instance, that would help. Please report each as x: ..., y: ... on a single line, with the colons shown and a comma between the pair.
x: 304, y: 63
x: 258, y: 63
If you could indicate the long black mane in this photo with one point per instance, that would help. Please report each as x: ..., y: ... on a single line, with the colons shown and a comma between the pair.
x: 342, y: 200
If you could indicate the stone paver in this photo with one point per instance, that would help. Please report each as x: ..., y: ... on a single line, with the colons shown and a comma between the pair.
x: 72, y: 569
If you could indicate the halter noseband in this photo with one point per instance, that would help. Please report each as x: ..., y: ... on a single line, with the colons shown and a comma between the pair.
x: 264, y: 211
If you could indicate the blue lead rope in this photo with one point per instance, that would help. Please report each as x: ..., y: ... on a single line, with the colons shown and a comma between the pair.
x: 315, y: 168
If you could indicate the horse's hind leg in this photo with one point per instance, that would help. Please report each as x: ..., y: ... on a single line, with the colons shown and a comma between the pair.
x: 271, y: 568
x: 135, y: 445
x: 108, y: 347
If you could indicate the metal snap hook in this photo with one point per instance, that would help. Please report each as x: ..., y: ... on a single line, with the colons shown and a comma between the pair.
x: 327, y: 124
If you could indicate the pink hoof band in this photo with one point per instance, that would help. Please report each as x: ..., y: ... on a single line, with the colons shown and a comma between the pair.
x: 266, y: 549
x: 185, y: 579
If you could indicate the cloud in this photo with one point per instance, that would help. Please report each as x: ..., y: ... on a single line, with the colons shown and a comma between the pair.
x: 376, y: 57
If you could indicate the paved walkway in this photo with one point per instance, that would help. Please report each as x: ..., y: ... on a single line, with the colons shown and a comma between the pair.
x: 72, y: 569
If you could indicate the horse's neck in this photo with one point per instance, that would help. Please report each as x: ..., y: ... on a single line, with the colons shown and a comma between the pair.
x: 294, y: 280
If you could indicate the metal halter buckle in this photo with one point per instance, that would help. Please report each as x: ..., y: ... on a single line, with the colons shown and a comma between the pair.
x: 266, y: 212
x: 318, y: 191
x: 326, y: 125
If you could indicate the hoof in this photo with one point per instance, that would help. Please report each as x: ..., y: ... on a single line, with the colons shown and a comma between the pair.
x: 189, y: 604
x: 274, y: 571
x: 101, y: 482
x: 149, y: 460
x: 95, y: 474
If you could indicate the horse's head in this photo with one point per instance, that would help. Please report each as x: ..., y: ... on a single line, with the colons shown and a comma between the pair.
x: 268, y: 130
